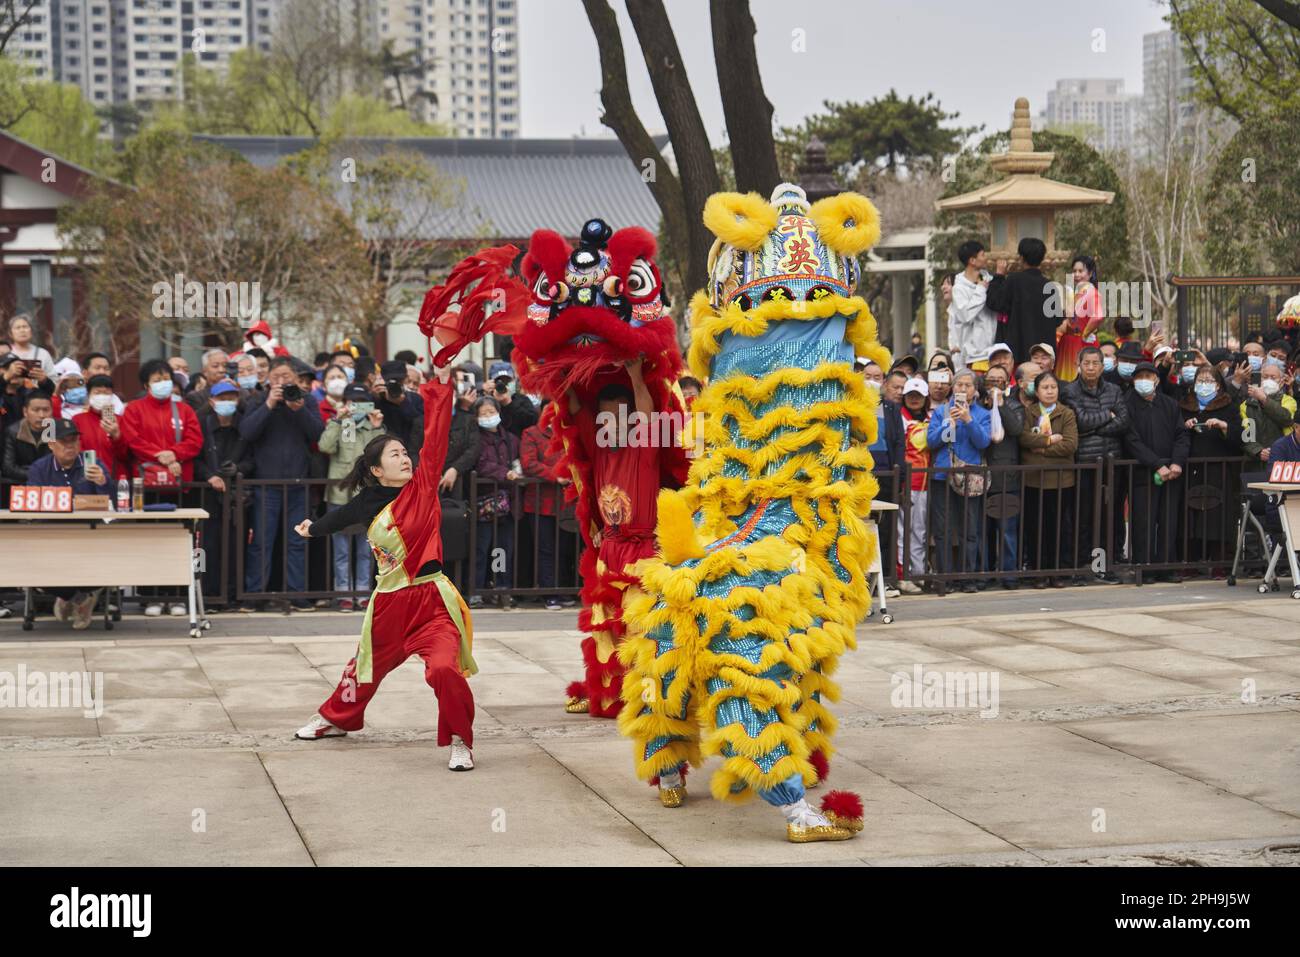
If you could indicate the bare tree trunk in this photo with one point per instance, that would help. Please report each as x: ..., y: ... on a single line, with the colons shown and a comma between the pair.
x: 621, y: 117
x: 695, y: 164
x: 744, y: 104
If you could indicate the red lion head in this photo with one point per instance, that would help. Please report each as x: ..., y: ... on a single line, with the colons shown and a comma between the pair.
x: 593, y: 307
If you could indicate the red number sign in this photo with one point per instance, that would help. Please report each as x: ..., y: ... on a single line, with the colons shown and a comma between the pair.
x: 40, y: 498
x: 1285, y: 473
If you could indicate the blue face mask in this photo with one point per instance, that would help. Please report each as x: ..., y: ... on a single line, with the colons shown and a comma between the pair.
x: 225, y: 409
x: 1126, y: 369
x: 1256, y: 363
x: 162, y: 389
x: 247, y: 381
x: 1206, y: 390
x: 1108, y: 364
x: 1028, y: 388
x: 75, y: 396
x: 1188, y: 373
x: 1144, y: 386
x: 350, y: 372
x: 489, y: 423
x: 1275, y: 362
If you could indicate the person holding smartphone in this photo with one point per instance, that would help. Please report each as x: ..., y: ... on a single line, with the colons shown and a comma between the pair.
x: 100, y: 427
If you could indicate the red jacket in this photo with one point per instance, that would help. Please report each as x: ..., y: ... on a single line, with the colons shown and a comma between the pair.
x: 417, y: 512
x: 112, y: 453
x: 148, y: 428
x: 539, y: 497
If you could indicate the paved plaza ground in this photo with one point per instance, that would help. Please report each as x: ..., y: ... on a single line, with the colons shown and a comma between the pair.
x: 1121, y: 737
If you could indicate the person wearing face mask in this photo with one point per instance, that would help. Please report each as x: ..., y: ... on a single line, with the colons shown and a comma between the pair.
x: 1002, y: 502
x: 1050, y: 439
x: 1127, y: 359
x: 73, y: 395
x: 335, y: 382
x: 1211, y: 416
x: 915, y: 413
x: 259, y: 336
x: 225, y: 456
x: 353, y: 423
x: 1109, y: 359
x: 246, y: 377
x: 101, y: 429
x: 1266, y: 415
x: 1102, y: 419
x: 163, y: 436
x: 494, y: 545
x: 1159, y: 440
x: 463, y: 448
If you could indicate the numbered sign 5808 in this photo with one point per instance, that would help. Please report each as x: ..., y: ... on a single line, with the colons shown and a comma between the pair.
x: 40, y: 498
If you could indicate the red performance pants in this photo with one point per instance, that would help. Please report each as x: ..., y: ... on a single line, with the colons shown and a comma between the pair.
x: 410, y: 621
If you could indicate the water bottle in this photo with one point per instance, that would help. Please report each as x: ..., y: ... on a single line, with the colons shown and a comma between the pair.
x: 123, y: 495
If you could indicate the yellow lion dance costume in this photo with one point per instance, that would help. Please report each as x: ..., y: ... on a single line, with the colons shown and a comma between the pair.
x: 761, y: 574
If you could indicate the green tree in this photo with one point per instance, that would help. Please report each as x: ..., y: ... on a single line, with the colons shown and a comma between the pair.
x: 52, y: 116
x: 1253, y: 218
x: 1245, y: 55
x: 887, y: 134
x: 1100, y: 231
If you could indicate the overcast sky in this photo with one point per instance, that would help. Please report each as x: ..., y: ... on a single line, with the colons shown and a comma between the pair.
x: 975, y: 57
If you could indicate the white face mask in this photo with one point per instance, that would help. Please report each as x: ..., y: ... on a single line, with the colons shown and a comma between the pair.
x: 872, y: 384
x: 260, y: 340
x: 1270, y: 386
x: 100, y: 402
x: 335, y: 387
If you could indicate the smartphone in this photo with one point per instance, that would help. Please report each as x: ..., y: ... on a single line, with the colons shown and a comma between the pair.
x: 365, y: 408
x: 1184, y: 355
x: 1254, y: 378
x: 960, y: 399
x: 87, y: 459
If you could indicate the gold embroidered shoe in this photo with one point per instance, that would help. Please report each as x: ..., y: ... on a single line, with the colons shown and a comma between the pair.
x: 575, y: 705
x: 853, y: 826
x: 672, y: 797
x: 812, y: 833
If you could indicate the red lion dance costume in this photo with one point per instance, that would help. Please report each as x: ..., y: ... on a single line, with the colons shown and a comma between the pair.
x: 590, y: 309
x: 594, y: 307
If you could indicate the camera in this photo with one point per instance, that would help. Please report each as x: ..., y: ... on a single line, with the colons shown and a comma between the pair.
x: 291, y: 392
x: 232, y: 370
x: 503, y: 383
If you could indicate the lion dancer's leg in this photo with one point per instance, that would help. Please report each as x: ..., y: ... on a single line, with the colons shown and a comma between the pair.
x: 615, y: 582
x: 659, y: 704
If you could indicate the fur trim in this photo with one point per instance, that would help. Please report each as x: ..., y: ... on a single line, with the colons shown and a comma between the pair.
x: 843, y: 804
x: 820, y: 764
x: 628, y: 245
x: 848, y: 223
x: 548, y: 252
x: 742, y: 220
x: 676, y: 531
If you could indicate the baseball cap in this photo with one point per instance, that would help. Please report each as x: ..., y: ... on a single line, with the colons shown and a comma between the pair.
x: 906, y: 361
x: 999, y: 347
x: 501, y: 369
x: 1045, y: 347
x: 63, y: 429
x: 1161, y: 350
x: 357, y: 393
x: 394, y: 370
x: 223, y: 387
x: 916, y: 385
x: 1146, y: 367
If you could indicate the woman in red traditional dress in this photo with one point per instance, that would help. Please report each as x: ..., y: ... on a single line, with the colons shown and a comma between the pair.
x: 1081, y: 323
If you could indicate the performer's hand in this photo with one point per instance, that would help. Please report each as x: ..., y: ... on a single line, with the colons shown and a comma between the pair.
x: 442, y: 373
x: 633, y: 367
x: 595, y: 539
x: 303, y: 528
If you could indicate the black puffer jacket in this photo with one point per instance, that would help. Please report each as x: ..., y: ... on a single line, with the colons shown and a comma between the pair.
x: 1100, y: 432
x: 1007, y: 452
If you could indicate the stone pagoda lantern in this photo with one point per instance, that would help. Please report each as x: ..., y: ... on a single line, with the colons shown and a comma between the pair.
x: 1024, y: 203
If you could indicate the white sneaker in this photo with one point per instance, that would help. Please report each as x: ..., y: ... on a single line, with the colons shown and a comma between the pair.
x: 892, y: 593
x: 177, y: 610
x: 62, y: 609
x: 84, y: 611
x: 909, y: 588
x: 318, y: 728
x: 462, y: 759
x: 153, y: 611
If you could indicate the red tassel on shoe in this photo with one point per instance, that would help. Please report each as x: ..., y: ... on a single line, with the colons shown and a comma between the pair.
x: 576, y: 689
x: 844, y: 808
x: 821, y: 765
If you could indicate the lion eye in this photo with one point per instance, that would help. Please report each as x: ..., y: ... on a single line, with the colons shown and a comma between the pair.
x: 613, y: 287
x: 546, y: 291
x: 641, y: 280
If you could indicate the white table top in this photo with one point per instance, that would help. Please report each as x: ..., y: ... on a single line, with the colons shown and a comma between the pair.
x: 879, y: 506
x: 1273, y: 487
x: 102, y: 516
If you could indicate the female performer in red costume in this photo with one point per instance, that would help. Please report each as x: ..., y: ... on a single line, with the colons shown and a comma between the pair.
x: 415, y: 609
x: 1080, y: 326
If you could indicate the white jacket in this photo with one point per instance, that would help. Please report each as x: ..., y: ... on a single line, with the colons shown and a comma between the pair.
x: 972, y: 326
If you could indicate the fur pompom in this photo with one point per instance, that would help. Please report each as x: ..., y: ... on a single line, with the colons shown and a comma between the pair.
x: 821, y: 765
x: 843, y: 804
x: 742, y: 220
x: 576, y: 689
x: 848, y: 223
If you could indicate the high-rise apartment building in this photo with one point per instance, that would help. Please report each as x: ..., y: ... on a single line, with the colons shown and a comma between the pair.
x: 465, y: 53
x: 1098, y: 109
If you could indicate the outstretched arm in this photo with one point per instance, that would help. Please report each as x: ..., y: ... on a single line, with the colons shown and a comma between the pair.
x: 438, y: 396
